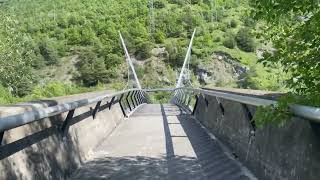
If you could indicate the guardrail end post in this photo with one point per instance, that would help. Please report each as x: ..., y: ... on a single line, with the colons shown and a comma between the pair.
x: 65, y: 125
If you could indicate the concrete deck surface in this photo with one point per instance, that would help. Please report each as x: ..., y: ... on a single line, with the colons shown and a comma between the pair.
x: 161, y: 142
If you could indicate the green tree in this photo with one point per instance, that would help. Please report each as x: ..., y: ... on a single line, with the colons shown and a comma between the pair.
x: 16, y: 71
x: 49, y: 53
x: 245, y: 41
x: 92, y: 69
x: 293, y: 28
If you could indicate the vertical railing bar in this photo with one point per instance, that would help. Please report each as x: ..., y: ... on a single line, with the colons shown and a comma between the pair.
x: 140, y: 97
x: 1, y: 137
x: 111, y: 102
x: 65, y: 125
x: 128, y: 100
x: 133, y: 99
x: 195, y: 105
x: 96, y: 110
x: 121, y: 105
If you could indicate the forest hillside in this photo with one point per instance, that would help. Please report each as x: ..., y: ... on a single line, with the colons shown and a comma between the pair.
x: 59, y: 47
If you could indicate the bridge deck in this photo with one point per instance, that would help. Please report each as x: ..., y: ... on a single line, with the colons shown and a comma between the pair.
x: 161, y: 142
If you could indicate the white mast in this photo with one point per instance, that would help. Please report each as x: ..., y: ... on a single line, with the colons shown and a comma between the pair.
x: 130, y: 62
x: 185, y: 60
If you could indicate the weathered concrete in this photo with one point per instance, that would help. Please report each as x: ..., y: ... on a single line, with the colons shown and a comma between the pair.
x: 161, y: 142
x: 39, y: 151
x: 290, y: 152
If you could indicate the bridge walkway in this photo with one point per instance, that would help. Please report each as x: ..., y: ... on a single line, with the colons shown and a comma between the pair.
x: 161, y: 142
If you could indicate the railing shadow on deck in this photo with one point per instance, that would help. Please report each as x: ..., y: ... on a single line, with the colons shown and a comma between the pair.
x: 214, y: 162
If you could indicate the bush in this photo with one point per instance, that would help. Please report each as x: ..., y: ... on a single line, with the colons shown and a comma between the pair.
x: 159, y: 37
x: 158, y: 5
x: 92, y: 70
x: 229, y: 42
x: 248, y: 21
x: 217, y: 39
x: 49, y: 53
x: 144, y: 50
x: 244, y: 40
x: 223, y: 27
x: 5, y: 95
x: 233, y: 23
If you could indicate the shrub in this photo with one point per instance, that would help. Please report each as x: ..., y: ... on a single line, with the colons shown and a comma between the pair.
x: 217, y: 39
x: 144, y: 50
x: 229, y: 42
x: 5, y: 95
x: 49, y: 53
x: 223, y: 27
x: 244, y: 40
x: 159, y: 5
x: 233, y: 23
x: 159, y: 37
x: 248, y: 21
x: 92, y: 70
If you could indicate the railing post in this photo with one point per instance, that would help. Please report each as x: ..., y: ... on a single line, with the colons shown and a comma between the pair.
x: 111, y: 102
x: 139, y: 97
x: 65, y: 125
x: 136, y: 100
x: 133, y: 95
x: 96, y: 110
x: 128, y: 100
x: 189, y: 100
x: 121, y: 106
x: 195, y: 105
x: 249, y: 116
x: 1, y: 137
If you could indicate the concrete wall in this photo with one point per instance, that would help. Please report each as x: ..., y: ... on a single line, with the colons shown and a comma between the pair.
x: 40, y: 151
x: 290, y: 152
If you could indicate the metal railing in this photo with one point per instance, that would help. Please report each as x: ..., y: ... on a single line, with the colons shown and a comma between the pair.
x: 306, y: 112
x: 130, y: 99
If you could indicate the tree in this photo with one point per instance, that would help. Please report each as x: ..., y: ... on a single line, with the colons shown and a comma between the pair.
x: 245, y: 41
x: 16, y: 71
x: 49, y: 53
x: 91, y: 69
x: 144, y: 50
x: 293, y: 28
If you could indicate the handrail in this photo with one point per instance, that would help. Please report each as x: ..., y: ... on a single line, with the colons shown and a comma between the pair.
x: 307, y: 112
x: 10, y: 122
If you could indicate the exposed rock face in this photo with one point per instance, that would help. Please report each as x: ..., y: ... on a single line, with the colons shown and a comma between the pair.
x: 222, y: 70
x: 159, y: 52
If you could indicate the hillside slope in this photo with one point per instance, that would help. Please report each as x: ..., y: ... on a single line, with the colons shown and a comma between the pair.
x: 77, y: 42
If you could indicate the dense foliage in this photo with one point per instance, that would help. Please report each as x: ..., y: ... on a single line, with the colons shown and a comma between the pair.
x: 44, y: 40
x: 293, y: 29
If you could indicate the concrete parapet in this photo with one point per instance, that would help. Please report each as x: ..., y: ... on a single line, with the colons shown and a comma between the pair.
x: 40, y: 150
x: 272, y: 153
